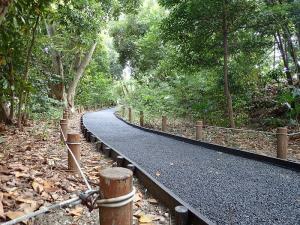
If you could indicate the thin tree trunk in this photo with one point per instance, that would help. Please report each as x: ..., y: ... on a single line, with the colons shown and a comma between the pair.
x: 78, y: 74
x: 4, y: 117
x: 284, y: 58
x: 26, y: 74
x: 225, y: 69
x: 57, y: 90
x: 292, y: 51
x: 11, y: 84
x: 4, y: 4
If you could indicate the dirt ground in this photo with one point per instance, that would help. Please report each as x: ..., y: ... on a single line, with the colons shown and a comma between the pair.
x: 34, y: 174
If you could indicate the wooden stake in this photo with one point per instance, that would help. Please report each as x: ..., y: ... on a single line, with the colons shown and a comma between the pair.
x: 120, y: 161
x: 123, y: 111
x: 99, y: 145
x: 130, y: 167
x: 66, y: 115
x: 129, y: 115
x: 73, y: 142
x: 199, y: 130
x: 181, y: 215
x: 163, y: 123
x: 64, y: 128
x: 106, y: 151
x: 282, y: 142
x: 141, y: 118
x: 115, y: 182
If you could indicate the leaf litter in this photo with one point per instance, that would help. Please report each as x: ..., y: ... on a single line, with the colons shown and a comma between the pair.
x: 34, y: 174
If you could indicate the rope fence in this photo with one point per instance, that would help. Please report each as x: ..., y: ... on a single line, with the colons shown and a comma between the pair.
x: 278, y: 143
x: 92, y: 199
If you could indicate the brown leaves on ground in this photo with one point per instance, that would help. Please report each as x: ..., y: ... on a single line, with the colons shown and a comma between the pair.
x: 34, y: 174
x: 33, y: 169
x: 147, y: 211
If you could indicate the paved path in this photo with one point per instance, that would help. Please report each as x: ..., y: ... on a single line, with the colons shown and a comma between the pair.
x: 225, y: 188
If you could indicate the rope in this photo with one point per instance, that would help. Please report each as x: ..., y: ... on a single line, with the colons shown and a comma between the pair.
x: 294, y: 134
x: 118, y: 201
x: 64, y: 204
x: 239, y: 129
x: 76, y: 162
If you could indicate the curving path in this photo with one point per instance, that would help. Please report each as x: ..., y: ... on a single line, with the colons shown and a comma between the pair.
x: 225, y: 188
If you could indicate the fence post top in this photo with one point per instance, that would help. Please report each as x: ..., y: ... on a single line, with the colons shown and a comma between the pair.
x: 73, y: 137
x: 199, y: 123
x: 282, y: 129
x: 116, y: 173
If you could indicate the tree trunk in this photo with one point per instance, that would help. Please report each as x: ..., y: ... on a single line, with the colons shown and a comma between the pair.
x: 11, y: 80
x: 284, y: 58
x: 4, y: 117
x: 80, y: 67
x: 292, y: 51
x: 225, y: 69
x: 26, y: 74
x: 57, y: 89
x: 4, y: 4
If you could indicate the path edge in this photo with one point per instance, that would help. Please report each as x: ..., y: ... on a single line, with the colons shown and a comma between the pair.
x: 289, y: 164
x: 157, y: 189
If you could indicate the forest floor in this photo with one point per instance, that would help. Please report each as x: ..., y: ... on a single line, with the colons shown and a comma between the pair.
x: 34, y: 174
x: 259, y: 142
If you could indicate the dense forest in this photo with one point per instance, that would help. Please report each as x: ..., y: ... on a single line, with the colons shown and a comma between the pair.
x: 230, y: 62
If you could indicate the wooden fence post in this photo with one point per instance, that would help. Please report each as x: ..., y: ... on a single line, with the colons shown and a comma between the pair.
x: 199, y: 130
x: 65, y: 115
x: 115, y: 182
x: 181, y: 215
x: 129, y: 115
x: 123, y: 111
x: 73, y: 142
x: 141, y: 118
x: 64, y: 129
x: 164, y: 123
x: 282, y: 142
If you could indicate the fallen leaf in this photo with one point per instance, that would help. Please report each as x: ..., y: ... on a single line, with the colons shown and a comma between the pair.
x: 49, y: 186
x: 138, y: 213
x: 77, y: 211
x: 15, y: 214
x: 28, y: 208
x: 137, y: 197
x: 157, y: 173
x: 2, y: 215
x: 152, y: 201
x: 37, y: 187
x: 20, y: 174
x: 145, y: 219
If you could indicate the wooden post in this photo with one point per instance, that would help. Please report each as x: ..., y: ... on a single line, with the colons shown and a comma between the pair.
x: 99, y: 145
x: 93, y: 138
x: 199, y: 130
x: 123, y: 111
x: 129, y: 115
x: 163, y: 123
x: 120, y: 161
x: 73, y: 142
x: 282, y: 142
x: 64, y: 129
x: 141, y: 118
x: 88, y: 136
x: 130, y: 167
x: 65, y: 115
x: 106, y: 151
x: 181, y: 215
x: 115, y: 182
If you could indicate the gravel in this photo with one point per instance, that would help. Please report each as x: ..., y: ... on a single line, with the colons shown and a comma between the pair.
x: 225, y: 188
